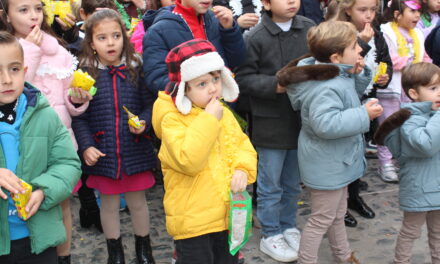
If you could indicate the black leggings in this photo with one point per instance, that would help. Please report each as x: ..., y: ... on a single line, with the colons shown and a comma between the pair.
x: 21, y: 253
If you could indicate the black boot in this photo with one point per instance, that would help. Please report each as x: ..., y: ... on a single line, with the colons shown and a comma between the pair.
x: 115, y: 251
x: 349, y: 220
x: 363, y: 185
x: 89, y: 211
x: 144, y: 253
x: 64, y: 259
x: 357, y: 203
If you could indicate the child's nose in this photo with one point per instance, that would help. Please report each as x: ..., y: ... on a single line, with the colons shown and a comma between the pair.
x: 5, y: 77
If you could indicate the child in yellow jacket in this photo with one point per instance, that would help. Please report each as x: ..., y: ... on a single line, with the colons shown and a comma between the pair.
x: 204, y: 153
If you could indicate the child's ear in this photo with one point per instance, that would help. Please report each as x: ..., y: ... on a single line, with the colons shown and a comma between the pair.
x: 413, y: 94
x: 82, y: 14
x: 396, y: 14
x: 25, y: 69
x: 266, y: 4
x: 335, y: 58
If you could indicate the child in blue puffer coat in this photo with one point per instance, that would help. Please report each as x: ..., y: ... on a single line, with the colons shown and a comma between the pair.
x: 413, y: 136
x: 326, y: 89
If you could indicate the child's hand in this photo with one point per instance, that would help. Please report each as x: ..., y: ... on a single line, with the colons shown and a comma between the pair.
x: 224, y: 16
x: 140, y: 130
x: 34, y: 202
x: 382, y: 79
x: 280, y: 89
x: 10, y: 182
x: 79, y: 96
x: 36, y: 36
x: 239, y: 181
x: 374, y: 109
x: 70, y: 19
x: 358, y: 67
x: 215, y: 108
x: 92, y: 155
x: 247, y: 20
x: 367, y: 33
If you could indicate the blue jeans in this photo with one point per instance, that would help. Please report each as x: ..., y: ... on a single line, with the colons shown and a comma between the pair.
x: 278, y: 190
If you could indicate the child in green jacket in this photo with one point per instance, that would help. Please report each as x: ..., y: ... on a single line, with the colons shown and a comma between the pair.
x: 34, y: 147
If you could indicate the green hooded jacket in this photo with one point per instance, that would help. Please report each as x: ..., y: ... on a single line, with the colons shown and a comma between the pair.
x: 48, y: 162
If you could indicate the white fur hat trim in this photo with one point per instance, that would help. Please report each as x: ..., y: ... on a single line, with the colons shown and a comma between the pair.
x: 197, y: 66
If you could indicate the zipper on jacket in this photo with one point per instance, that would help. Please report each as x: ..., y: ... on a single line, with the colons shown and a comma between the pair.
x: 118, y: 154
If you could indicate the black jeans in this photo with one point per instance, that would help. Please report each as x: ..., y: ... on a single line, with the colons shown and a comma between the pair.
x: 21, y: 254
x: 211, y: 248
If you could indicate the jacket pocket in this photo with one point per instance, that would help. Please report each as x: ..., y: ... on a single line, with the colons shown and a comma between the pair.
x: 431, y: 192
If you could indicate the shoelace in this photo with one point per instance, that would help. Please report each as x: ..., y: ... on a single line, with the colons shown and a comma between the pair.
x: 388, y: 167
x: 293, y: 234
x: 280, y: 243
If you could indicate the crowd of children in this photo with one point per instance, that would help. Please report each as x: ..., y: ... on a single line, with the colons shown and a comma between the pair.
x: 311, y: 92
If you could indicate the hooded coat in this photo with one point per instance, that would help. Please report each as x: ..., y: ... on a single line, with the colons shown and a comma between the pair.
x: 198, y: 155
x: 330, y: 144
x: 413, y: 137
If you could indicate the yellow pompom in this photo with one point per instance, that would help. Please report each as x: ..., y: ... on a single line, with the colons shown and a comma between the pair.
x: 62, y: 8
x: 84, y: 81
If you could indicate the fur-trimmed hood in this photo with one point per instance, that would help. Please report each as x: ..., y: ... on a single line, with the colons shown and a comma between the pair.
x: 302, y: 76
x: 305, y: 69
x: 393, y: 122
x: 388, y: 134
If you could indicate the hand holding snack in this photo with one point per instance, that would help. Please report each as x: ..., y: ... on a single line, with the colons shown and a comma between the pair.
x: 374, y: 109
x: 10, y: 182
x: 239, y: 181
x: 133, y: 121
x: 84, y: 81
x: 34, y: 203
x: 21, y: 200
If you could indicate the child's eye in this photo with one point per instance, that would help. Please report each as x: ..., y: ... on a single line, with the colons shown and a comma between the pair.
x: 39, y: 9
x: 216, y: 79
x: 101, y: 38
x: 15, y: 69
x: 117, y: 36
x: 202, y: 84
x: 22, y: 10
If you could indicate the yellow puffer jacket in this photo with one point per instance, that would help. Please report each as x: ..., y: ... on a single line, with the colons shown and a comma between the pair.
x: 199, y: 155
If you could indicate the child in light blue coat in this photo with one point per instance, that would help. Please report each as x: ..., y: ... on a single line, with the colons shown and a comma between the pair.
x: 326, y: 89
x: 413, y: 137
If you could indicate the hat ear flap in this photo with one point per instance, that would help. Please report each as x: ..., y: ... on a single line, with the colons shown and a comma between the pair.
x: 183, y: 103
x: 230, y: 88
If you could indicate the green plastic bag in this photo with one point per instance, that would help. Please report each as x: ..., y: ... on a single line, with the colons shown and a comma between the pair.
x: 240, y: 220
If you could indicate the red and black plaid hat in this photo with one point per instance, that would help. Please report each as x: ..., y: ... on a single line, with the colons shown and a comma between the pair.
x: 193, y: 59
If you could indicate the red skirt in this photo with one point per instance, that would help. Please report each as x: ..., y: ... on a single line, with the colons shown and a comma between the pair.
x: 128, y: 183
x: 77, y: 186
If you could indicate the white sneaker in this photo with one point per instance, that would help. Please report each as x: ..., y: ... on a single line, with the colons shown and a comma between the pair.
x: 388, y: 173
x: 277, y: 248
x: 292, y: 237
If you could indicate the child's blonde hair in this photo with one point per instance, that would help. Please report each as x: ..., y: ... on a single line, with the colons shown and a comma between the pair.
x: 341, y: 8
x: 329, y: 38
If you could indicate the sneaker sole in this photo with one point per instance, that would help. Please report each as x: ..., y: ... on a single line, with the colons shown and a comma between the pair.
x: 277, y: 258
